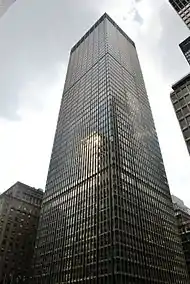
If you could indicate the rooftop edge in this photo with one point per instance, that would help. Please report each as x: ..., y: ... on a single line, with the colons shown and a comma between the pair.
x: 22, y: 184
x: 180, y: 82
x: 104, y: 16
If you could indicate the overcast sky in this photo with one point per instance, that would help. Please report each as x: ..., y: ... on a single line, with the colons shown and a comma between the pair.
x: 35, y: 41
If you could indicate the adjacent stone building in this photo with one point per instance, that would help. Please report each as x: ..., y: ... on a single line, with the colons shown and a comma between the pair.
x: 180, y: 98
x: 182, y: 7
x: 182, y: 214
x: 19, y: 213
x: 185, y: 48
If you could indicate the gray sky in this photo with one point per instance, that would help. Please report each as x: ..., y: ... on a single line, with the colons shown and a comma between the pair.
x: 36, y: 37
x: 4, y: 5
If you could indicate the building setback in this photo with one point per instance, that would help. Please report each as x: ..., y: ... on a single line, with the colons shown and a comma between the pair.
x: 182, y: 7
x: 182, y: 214
x: 180, y: 98
x: 185, y: 48
x: 19, y: 214
x: 107, y: 214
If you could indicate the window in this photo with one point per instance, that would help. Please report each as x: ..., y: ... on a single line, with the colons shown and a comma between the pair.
x: 182, y: 102
x: 188, y: 119
x: 186, y: 133
x: 173, y: 97
x: 183, y: 123
x: 185, y: 110
x: 176, y: 105
x: 179, y: 114
x: 182, y: 92
x: 187, y: 98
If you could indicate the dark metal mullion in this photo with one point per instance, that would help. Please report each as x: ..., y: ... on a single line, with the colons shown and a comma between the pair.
x: 110, y: 169
x: 53, y: 248
x: 97, y: 208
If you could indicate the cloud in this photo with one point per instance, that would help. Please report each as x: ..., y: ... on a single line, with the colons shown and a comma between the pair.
x: 137, y: 17
x: 31, y: 49
x: 161, y: 34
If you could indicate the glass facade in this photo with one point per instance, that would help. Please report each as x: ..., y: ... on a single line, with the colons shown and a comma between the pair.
x: 107, y: 214
x: 182, y: 7
x: 180, y: 98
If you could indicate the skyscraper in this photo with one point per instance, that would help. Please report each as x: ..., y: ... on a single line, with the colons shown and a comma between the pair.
x: 107, y: 214
x: 182, y: 7
x: 180, y: 98
x: 19, y: 214
x: 4, y: 5
x: 185, y: 48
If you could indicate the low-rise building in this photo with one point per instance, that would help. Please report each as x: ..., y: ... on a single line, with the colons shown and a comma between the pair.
x: 180, y: 98
x: 182, y: 214
x: 19, y: 214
